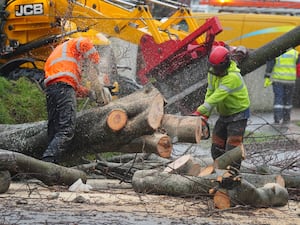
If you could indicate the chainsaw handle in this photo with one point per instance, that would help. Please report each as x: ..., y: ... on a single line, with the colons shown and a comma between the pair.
x: 205, y: 129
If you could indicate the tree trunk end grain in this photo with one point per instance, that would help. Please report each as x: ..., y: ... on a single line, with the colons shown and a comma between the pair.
x: 116, y: 119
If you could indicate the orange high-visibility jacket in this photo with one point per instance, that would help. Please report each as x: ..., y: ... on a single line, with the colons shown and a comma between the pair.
x: 64, y: 63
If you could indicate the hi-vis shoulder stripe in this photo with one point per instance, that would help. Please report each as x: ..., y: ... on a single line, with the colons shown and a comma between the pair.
x: 61, y: 74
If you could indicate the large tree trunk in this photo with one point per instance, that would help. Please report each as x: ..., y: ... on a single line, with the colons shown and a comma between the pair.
x: 98, y: 130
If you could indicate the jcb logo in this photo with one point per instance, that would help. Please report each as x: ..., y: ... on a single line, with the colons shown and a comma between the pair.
x: 30, y: 9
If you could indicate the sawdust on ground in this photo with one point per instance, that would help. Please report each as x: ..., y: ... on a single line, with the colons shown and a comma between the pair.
x: 110, y: 202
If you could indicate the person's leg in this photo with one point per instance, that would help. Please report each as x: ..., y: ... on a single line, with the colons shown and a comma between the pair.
x: 219, y: 136
x: 65, y: 120
x: 235, y: 132
x: 278, y: 101
x: 288, y: 102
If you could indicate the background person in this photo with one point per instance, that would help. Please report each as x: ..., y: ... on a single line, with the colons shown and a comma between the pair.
x: 281, y: 74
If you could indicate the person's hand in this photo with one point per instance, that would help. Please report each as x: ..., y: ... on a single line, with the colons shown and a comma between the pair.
x: 267, y: 82
x: 195, y: 113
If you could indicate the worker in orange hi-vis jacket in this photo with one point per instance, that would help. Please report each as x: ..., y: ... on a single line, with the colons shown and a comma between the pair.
x: 64, y: 79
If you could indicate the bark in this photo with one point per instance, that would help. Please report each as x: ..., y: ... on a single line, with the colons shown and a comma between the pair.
x: 143, y: 110
x: 182, y: 128
x: 4, y: 181
x: 270, y: 50
x: 157, y: 143
x: 270, y: 195
x: 291, y: 178
x: 156, y: 182
x: 48, y: 173
x: 243, y: 193
x: 184, y: 165
x: 228, y: 158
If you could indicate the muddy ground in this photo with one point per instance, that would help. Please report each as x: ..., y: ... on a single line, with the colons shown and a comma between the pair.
x: 30, y: 202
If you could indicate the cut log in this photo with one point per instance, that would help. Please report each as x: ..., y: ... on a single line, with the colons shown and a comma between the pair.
x: 228, y: 158
x: 144, y: 110
x: 205, y: 171
x: 116, y: 119
x: 182, y: 128
x: 221, y: 199
x: 157, y: 143
x: 242, y: 193
x: 260, y: 180
x: 270, y: 195
x: 48, y: 173
x: 4, y: 181
x: 184, y: 165
x: 291, y: 178
x: 156, y: 182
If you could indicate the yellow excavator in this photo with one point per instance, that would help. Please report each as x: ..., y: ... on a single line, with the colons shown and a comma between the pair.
x: 171, y: 56
x: 30, y: 29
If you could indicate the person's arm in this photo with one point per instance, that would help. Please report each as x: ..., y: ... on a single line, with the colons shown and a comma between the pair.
x: 269, y: 67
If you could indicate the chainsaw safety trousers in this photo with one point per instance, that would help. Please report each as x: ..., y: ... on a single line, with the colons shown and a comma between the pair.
x: 63, y: 78
x: 61, y: 108
x: 228, y: 133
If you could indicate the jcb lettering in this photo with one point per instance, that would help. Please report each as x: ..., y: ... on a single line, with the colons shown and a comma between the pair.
x: 30, y: 9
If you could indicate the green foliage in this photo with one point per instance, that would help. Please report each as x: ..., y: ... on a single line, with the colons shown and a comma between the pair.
x: 21, y: 101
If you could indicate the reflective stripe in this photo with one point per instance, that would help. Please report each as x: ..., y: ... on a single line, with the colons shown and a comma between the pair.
x: 288, y: 106
x: 90, y: 52
x: 86, y: 54
x: 208, y: 106
x: 285, y: 68
x: 64, y: 55
x: 228, y: 90
x: 78, y: 44
x: 278, y: 106
x: 61, y: 74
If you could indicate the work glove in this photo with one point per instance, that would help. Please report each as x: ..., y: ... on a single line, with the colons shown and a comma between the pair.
x: 267, y: 82
x: 197, y: 113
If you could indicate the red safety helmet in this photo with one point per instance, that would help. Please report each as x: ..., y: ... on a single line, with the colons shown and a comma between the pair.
x: 219, y: 60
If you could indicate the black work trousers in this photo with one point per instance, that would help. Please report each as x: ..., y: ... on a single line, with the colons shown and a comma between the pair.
x: 226, y: 136
x: 61, y: 108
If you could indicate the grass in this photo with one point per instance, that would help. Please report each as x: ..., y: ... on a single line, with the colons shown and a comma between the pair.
x: 21, y: 101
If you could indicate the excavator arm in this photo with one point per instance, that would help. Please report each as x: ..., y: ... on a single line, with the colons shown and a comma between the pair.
x: 30, y: 29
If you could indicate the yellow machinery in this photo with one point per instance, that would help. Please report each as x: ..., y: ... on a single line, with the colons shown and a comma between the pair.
x: 171, y: 57
x: 250, y: 30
